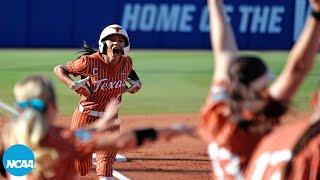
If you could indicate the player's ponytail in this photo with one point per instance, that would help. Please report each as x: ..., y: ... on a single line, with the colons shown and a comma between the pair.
x: 86, y: 50
x: 33, y: 95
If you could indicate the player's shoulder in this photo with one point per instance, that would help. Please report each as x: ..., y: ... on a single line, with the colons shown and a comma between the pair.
x: 91, y: 59
x: 307, y: 151
x: 284, y: 132
x: 93, y: 56
x: 314, y: 143
x: 289, y: 133
x: 311, y: 136
x: 84, y: 58
x: 127, y: 59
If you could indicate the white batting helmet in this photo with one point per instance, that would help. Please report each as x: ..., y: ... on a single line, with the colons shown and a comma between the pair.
x: 126, y: 50
x: 110, y: 30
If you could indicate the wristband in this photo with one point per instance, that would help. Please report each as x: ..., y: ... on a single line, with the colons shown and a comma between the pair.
x: 133, y: 75
x: 315, y: 15
x: 144, y: 134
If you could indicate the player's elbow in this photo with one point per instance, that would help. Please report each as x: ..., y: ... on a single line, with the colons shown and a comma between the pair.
x: 58, y: 70
x: 301, y: 69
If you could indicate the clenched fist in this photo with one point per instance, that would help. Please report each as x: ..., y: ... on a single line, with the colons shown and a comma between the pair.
x: 135, y: 86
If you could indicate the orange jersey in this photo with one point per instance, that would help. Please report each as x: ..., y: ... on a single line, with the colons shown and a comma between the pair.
x: 69, y: 147
x: 106, y: 80
x: 229, y: 146
x: 275, y: 150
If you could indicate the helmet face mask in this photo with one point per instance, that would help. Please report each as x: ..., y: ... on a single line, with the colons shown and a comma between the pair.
x: 113, y: 29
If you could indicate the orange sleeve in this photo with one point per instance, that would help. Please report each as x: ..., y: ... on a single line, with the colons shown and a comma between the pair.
x: 130, y: 63
x: 213, y: 122
x: 212, y: 111
x: 306, y: 165
x: 130, y: 59
x: 78, y: 67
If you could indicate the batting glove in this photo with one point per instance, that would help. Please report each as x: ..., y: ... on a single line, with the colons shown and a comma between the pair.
x: 81, y: 87
x: 135, y: 86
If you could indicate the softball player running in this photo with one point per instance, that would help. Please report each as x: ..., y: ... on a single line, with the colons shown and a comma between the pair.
x: 57, y: 148
x: 104, y: 74
x: 241, y: 108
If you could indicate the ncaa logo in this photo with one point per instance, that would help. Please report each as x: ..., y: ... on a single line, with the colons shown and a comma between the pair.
x: 18, y: 160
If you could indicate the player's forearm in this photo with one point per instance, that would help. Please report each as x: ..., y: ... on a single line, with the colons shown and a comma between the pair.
x: 222, y: 40
x: 304, y: 51
x: 300, y: 62
x: 139, y: 137
x: 63, y: 75
x: 131, y: 139
x: 222, y: 37
x: 116, y: 142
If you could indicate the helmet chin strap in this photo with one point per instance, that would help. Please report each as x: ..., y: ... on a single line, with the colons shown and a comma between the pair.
x: 105, y: 47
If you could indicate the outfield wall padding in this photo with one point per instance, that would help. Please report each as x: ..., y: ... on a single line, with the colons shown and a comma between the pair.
x: 164, y: 24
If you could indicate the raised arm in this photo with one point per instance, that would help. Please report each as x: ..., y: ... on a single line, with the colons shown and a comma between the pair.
x: 222, y: 39
x: 301, y: 58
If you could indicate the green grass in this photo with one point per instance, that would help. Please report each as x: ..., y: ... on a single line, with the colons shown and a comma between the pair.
x: 173, y: 81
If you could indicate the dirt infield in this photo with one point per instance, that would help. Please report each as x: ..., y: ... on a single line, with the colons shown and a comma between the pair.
x: 181, y: 158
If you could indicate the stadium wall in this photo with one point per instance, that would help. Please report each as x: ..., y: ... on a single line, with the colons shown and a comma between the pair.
x: 178, y: 24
